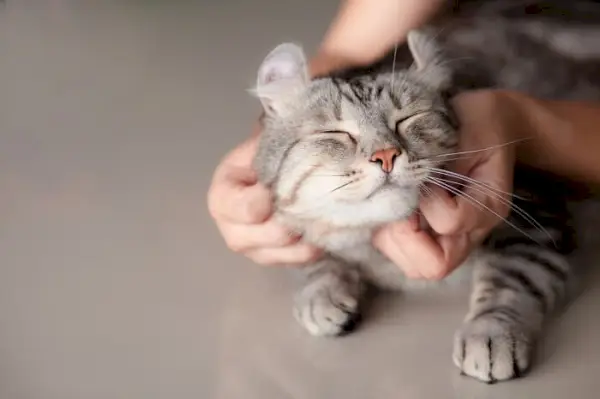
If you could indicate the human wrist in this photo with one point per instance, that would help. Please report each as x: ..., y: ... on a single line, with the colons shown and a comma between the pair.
x: 531, y: 121
x: 500, y: 111
x: 551, y: 138
x: 515, y: 110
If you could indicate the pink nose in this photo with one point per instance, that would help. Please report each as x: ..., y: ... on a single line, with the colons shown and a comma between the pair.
x: 385, y: 158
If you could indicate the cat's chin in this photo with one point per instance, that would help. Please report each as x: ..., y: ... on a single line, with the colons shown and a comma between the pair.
x: 392, y: 203
x: 389, y: 204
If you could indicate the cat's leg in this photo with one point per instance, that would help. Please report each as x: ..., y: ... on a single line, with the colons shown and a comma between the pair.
x: 327, y: 303
x: 514, y: 289
x: 521, y: 276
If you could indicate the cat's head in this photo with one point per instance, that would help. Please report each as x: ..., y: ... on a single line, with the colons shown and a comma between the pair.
x: 352, y: 152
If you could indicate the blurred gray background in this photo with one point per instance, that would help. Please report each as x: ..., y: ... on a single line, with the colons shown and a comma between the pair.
x: 113, y: 280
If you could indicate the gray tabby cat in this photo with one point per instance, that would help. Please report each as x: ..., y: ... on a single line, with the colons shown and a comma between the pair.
x: 347, y: 153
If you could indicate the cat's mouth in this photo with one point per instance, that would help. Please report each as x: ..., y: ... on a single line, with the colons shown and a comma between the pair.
x: 389, y: 184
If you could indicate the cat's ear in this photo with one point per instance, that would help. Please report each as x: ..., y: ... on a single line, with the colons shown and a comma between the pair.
x: 429, y: 59
x: 283, y: 72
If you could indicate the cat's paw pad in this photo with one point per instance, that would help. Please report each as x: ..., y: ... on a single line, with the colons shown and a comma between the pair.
x: 492, y: 351
x: 328, y: 311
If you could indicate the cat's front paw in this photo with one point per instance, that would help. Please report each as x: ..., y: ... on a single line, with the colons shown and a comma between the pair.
x: 492, y: 350
x: 328, y: 308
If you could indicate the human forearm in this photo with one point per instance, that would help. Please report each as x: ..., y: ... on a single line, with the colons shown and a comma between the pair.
x: 364, y: 30
x: 562, y: 137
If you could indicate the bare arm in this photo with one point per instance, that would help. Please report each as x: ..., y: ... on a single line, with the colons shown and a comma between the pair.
x: 565, y: 136
x: 365, y: 30
x: 562, y: 137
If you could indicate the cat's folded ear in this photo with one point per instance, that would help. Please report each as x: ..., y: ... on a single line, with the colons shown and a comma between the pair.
x: 283, y: 72
x: 429, y: 60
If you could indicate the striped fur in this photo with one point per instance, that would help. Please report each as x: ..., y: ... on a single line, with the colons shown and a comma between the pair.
x: 316, y: 153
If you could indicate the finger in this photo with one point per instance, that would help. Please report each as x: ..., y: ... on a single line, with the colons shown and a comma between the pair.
x: 456, y: 250
x: 451, y: 215
x: 243, y: 155
x: 495, y: 180
x: 482, y: 203
x: 414, y: 252
x: 439, y: 208
x: 487, y: 201
x: 244, y: 237
x: 297, y: 254
x: 413, y: 223
x: 234, y: 201
x: 492, y: 176
x: 235, y: 193
x: 239, y: 197
x: 420, y: 255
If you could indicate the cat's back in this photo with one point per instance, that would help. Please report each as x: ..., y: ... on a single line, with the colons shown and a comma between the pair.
x: 538, y: 54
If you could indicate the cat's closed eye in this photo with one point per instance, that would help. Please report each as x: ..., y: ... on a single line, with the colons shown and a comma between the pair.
x: 335, y: 131
x: 332, y: 131
x: 406, y: 118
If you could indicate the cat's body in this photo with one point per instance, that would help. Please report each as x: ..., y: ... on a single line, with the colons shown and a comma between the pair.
x: 346, y: 154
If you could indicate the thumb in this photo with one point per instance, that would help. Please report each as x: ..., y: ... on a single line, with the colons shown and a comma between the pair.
x: 243, y: 155
x: 238, y: 197
x: 235, y: 192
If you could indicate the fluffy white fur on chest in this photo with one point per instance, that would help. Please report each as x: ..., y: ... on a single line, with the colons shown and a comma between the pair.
x: 354, y: 246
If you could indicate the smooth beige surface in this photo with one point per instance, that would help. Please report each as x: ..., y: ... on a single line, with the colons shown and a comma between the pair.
x: 113, y: 280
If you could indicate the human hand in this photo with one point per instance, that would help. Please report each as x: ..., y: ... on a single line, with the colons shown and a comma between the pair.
x: 490, y: 126
x: 241, y: 208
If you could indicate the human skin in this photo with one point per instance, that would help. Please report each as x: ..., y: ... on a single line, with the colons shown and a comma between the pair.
x: 559, y: 137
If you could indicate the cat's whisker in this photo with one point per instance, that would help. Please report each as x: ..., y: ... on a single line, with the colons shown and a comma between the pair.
x: 341, y: 186
x: 428, y: 191
x: 430, y: 161
x: 339, y: 175
x: 517, y: 209
x: 439, y: 32
x: 481, y: 205
x: 491, y: 191
x: 406, y: 74
x: 500, y: 196
x: 451, y: 60
x: 480, y: 188
x: 484, y: 149
x: 451, y: 158
x: 446, y: 62
x: 393, y: 67
x: 472, y: 181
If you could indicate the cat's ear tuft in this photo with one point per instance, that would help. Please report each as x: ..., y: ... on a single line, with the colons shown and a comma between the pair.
x: 429, y: 59
x: 283, y: 72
